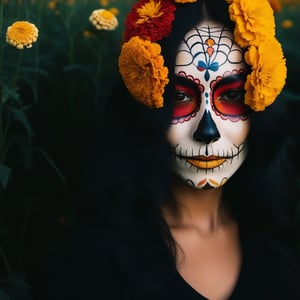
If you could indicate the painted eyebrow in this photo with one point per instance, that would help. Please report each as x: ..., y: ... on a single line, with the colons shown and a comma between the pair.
x: 230, y: 79
x: 187, y: 82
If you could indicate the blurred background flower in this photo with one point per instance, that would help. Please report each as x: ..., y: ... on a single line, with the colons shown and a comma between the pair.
x: 22, y: 34
x: 103, y: 19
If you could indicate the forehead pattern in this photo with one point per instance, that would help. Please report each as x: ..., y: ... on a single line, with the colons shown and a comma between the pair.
x: 208, y: 47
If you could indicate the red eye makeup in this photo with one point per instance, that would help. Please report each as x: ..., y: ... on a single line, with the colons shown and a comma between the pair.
x: 186, y: 98
x: 228, y: 96
x: 185, y: 103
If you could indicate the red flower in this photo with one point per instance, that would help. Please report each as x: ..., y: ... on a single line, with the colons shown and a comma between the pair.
x: 150, y: 20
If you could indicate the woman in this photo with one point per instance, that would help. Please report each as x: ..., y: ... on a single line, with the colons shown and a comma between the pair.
x: 192, y: 190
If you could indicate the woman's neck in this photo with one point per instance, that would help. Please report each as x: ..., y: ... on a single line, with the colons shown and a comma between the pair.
x: 200, y: 209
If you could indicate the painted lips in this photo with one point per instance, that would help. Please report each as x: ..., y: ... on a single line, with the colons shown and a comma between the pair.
x: 206, y: 162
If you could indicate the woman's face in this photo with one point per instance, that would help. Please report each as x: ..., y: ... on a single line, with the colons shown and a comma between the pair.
x: 210, y: 120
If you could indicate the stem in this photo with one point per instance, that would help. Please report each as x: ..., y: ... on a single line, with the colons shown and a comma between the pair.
x: 4, y: 128
x: 3, y: 136
x: 17, y: 71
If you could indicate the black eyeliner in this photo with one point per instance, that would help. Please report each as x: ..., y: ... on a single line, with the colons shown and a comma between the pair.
x: 189, y: 83
x: 230, y: 79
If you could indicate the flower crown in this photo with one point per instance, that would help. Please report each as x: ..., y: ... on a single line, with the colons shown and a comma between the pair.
x: 142, y: 66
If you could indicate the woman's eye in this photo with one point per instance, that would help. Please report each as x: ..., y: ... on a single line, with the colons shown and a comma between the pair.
x: 230, y: 102
x: 228, y: 99
x: 185, y: 102
x: 182, y: 96
x: 233, y: 96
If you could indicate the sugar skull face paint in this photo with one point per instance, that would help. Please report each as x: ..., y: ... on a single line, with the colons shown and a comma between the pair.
x: 210, y: 120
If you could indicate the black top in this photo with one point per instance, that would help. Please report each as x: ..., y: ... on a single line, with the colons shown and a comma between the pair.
x: 88, y: 271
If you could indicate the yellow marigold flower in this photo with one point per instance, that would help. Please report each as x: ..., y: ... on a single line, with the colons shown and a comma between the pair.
x: 268, y: 74
x: 114, y: 11
x: 254, y: 20
x: 103, y: 19
x: 22, y: 34
x: 142, y: 68
x: 185, y: 1
x: 287, y: 24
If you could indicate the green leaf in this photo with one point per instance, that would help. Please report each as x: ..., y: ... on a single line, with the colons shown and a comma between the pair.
x: 10, y: 93
x: 4, y: 175
x: 20, y: 116
x: 53, y: 165
x: 37, y: 71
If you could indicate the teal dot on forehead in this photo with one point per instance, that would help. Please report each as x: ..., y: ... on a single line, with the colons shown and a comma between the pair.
x: 206, y: 101
x: 206, y: 94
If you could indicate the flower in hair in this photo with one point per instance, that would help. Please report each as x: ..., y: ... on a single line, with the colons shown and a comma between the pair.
x: 142, y: 69
x: 255, y: 32
x: 150, y: 19
x: 253, y: 19
x: 142, y: 66
x: 268, y: 74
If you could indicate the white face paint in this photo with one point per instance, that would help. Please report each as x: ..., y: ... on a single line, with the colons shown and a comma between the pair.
x: 210, y: 121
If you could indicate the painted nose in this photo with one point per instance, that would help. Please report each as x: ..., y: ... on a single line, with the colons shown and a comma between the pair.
x: 207, y: 130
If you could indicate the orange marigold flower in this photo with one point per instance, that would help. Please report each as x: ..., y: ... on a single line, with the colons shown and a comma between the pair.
x: 268, y: 75
x: 22, y: 34
x: 150, y: 19
x: 142, y: 68
x: 103, y: 19
x: 254, y: 20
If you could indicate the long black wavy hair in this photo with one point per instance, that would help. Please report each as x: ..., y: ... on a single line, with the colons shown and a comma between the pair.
x: 129, y: 176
